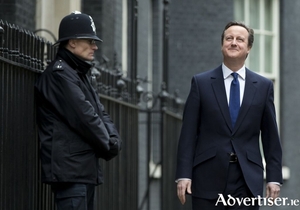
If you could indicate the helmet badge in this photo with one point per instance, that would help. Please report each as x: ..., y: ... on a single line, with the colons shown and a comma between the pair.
x: 93, y: 24
x: 76, y: 12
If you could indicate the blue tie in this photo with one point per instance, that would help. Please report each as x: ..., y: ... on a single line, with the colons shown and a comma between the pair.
x: 234, y: 99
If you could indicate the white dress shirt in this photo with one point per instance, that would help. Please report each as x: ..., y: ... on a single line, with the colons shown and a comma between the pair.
x: 228, y: 79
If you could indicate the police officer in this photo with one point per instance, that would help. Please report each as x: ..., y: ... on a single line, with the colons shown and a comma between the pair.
x: 74, y: 129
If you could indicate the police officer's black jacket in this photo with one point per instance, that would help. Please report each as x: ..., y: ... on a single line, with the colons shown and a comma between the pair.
x: 74, y: 129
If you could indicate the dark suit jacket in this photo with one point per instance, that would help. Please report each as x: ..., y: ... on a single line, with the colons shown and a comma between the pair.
x: 207, y: 136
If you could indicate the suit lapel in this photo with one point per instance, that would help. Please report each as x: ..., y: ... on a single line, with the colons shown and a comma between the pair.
x: 217, y: 82
x: 249, y: 93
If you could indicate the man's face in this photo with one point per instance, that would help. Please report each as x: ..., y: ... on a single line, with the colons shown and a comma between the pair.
x: 84, y: 48
x: 235, y: 43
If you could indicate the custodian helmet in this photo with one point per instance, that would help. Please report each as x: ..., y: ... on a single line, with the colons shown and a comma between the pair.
x: 77, y: 26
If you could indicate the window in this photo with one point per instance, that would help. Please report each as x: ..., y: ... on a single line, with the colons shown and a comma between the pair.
x: 263, y: 17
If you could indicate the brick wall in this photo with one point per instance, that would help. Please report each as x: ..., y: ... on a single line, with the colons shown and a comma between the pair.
x: 19, y: 12
x: 195, y: 43
x: 108, y: 22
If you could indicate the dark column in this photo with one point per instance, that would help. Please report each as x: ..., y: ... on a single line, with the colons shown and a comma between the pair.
x: 166, y: 43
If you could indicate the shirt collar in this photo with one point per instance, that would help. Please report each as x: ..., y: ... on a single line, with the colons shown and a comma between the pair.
x: 227, y: 72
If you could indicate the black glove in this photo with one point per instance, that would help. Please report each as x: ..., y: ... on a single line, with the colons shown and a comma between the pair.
x: 114, y: 148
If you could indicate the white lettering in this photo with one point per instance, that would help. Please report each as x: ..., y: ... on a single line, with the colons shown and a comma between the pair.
x: 270, y: 201
x: 239, y: 201
x: 295, y: 202
x: 247, y: 200
x: 230, y: 200
x: 278, y: 199
x: 284, y: 201
x: 252, y: 201
x: 221, y: 199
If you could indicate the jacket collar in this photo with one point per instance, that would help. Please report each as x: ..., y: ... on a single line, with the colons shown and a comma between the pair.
x: 76, y: 63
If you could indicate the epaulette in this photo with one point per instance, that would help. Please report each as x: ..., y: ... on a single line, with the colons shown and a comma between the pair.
x: 58, y: 65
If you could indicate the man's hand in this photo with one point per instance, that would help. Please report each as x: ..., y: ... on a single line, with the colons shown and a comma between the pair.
x: 183, y: 186
x: 272, y: 190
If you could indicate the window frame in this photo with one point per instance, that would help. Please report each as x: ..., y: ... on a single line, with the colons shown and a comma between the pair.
x: 260, y: 37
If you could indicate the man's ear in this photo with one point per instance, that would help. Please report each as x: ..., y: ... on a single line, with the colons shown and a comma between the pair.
x: 72, y: 43
x: 249, y: 48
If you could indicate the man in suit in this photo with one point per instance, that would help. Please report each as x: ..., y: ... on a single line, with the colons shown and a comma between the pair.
x: 219, y: 155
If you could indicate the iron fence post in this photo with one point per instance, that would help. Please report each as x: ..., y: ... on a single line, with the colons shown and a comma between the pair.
x: 1, y: 40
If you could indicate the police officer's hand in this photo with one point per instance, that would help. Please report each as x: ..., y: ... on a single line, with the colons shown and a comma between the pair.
x: 114, y: 148
x: 114, y: 145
